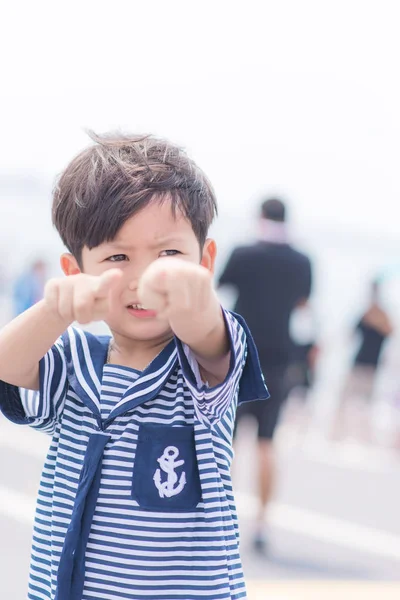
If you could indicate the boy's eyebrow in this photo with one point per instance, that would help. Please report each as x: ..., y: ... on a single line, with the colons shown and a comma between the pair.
x: 167, y: 240
x: 157, y: 244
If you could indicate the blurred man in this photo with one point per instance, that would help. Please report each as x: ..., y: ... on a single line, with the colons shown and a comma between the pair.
x: 301, y: 372
x: 29, y: 286
x: 353, y: 416
x: 271, y: 279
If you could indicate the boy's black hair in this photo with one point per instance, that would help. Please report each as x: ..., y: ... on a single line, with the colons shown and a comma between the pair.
x: 119, y: 175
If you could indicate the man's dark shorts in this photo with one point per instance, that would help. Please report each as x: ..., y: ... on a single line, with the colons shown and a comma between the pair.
x: 266, y: 412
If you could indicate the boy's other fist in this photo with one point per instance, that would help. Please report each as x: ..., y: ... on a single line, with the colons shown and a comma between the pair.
x: 171, y: 285
x: 182, y: 292
x: 82, y: 297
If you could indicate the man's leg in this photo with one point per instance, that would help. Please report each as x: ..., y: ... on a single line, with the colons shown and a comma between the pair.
x: 266, y: 476
x: 268, y: 417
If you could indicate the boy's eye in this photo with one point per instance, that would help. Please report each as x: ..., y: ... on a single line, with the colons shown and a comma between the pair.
x: 117, y: 257
x: 169, y: 252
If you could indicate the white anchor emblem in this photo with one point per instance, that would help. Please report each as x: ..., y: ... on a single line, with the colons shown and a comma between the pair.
x: 168, y: 464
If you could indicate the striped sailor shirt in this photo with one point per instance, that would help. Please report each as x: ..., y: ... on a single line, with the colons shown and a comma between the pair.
x: 135, y: 499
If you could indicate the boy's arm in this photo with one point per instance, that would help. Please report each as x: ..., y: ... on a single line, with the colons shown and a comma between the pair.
x: 207, y: 336
x: 183, y: 293
x: 217, y: 346
x: 26, y: 340
x: 208, y: 339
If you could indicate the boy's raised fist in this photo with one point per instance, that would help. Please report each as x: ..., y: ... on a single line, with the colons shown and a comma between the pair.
x: 81, y: 297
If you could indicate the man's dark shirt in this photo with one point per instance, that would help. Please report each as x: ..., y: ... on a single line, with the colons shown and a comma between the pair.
x: 271, y: 280
x: 371, y: 345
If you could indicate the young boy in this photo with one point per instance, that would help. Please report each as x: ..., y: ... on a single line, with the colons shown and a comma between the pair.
x: 135, y: 500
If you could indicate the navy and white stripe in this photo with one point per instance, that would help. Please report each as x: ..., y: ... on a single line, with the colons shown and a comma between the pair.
x: 44, y: 409
x: 212, y: 403
x: 102, y: 530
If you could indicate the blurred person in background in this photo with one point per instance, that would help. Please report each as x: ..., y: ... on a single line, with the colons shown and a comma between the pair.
x: 272, y: 279
x: 28, y: 288
x: 300, y: 374
x: 353, y: 414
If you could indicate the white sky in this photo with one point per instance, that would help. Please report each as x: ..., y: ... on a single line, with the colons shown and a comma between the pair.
x: 297, y: 97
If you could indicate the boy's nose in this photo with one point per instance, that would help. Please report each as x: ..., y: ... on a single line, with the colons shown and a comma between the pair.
x: 134, y: 274
x: 133, y: 284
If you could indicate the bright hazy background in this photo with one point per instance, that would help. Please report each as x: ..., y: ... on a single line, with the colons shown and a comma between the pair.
x: 294, y: 98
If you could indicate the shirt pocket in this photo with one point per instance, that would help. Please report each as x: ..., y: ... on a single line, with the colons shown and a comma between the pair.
x: 165, y: 471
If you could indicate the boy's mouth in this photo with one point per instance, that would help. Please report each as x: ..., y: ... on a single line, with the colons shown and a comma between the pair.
x: 138, y: 310
x: 136, y: 306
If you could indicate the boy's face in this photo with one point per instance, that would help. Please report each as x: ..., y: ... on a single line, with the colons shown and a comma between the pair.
x: 152, y: 233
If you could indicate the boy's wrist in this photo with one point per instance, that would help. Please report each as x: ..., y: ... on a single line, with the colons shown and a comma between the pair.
x: 53, y: 316
x: 206, y: 333
x: 212, y: 351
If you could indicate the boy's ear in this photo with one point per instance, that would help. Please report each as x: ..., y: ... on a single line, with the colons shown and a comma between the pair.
x: 209, y: 255
x: 69, y: 264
